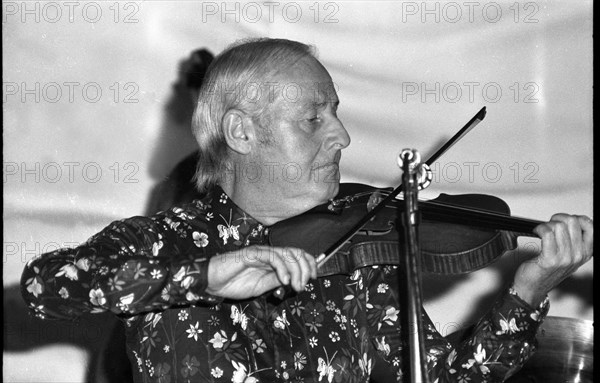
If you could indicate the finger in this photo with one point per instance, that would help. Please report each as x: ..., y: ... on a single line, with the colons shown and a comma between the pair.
x: 549, y: 246
x: 290, y: 257
x: 279, y: 266
x: 565, y: 253
x: 303, y: 269
x: 573, y: 225
x: 307, y: 266
x: 576, y: 238
x: 587, y: 228
x: 304, y: 259
x: 315, y: 270
x: 579, y: 251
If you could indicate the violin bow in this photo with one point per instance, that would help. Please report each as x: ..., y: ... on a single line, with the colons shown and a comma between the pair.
x: 473, y: 122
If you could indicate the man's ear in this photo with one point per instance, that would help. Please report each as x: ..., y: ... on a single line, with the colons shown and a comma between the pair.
x: 239, y: 131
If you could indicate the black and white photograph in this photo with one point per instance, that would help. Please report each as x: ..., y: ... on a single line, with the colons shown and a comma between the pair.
x: 298, y: 191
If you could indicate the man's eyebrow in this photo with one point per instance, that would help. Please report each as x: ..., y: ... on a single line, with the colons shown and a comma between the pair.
x: 323, y: 104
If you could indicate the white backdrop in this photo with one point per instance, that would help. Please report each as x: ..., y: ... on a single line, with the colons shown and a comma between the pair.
x: 87, y: 132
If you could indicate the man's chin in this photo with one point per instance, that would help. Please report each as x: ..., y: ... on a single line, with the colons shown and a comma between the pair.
x: 331, y: 189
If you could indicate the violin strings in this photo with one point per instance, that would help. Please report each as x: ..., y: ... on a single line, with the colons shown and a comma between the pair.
x: 476, y: 216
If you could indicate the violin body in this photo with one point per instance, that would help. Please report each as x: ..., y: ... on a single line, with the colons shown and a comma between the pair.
x: 447, y: 247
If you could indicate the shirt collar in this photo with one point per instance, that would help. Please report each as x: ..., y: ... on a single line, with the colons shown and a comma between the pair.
x: 229, y: 216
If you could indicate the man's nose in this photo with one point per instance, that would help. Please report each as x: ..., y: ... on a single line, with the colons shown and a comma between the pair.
x: 339, y: 138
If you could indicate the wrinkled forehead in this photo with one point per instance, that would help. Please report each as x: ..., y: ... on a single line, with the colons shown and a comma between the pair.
x: 306, y: 82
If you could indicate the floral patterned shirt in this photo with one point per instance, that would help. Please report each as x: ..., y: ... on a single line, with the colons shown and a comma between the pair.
x: 152, y: 272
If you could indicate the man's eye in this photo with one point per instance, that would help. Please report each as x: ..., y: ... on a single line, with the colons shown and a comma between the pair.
x: 315, y: 119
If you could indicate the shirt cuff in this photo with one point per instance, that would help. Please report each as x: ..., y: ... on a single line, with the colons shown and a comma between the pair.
x: 537, y: 313
x: 197, y: 292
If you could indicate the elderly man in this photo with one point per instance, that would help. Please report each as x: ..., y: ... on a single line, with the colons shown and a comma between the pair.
x: 193, y: 283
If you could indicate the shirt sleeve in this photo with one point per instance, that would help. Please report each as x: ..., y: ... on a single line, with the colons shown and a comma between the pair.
x: 501, y: 342
x: 134, y: 265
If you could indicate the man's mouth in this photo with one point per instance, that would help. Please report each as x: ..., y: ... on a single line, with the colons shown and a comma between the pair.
x: 334, y: 163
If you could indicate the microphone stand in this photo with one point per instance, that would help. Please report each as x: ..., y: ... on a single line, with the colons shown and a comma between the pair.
x: 409, y: 274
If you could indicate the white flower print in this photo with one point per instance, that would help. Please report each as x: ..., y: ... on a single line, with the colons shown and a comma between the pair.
x: 69, y: 270
x: 191, y: 297
x: 299, y: 361
x: 216, y: 372
x: 281, y: 321
x: 156, y: 246
x: 187, y: 282
x: 451, y: 357
x: 479, y: 355
x: 34, y: 287
x: 382, y: 288
x: 365, y: 364
x: 172, y: 225
x: 391, y: 315
x: 97, y: 297
x: 165, y: 294
x: 154, y: 318
x: 239, y: 375
x: 330, y: 305
x: 156, y: 274
x: 479, y: 358
x: 179, y: 275
x: 182, y: 213
x: 194, y: 331
x: 259, y: 346
x: 219, y: 339
x: 125, y: 301
x: 83, y: 264
x: 183, y: 315
x: 313, y: 342
x: 382, y: 346
x: 39, y: 310
x: 64, y: 293
x: 200, y: 239
x: 334, y: 336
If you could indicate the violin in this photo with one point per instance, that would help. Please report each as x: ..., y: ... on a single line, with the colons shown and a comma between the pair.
x: 458, y: 233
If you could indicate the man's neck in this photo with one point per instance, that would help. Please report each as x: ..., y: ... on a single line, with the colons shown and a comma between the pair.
x: 266, y: 206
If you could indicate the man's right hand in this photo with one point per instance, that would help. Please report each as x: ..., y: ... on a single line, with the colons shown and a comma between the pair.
x: 254, y: 270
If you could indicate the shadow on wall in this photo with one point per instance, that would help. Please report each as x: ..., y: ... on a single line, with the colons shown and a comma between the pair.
x: 102, y: 336
x: 175, y: 138
x: 577, y: 287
